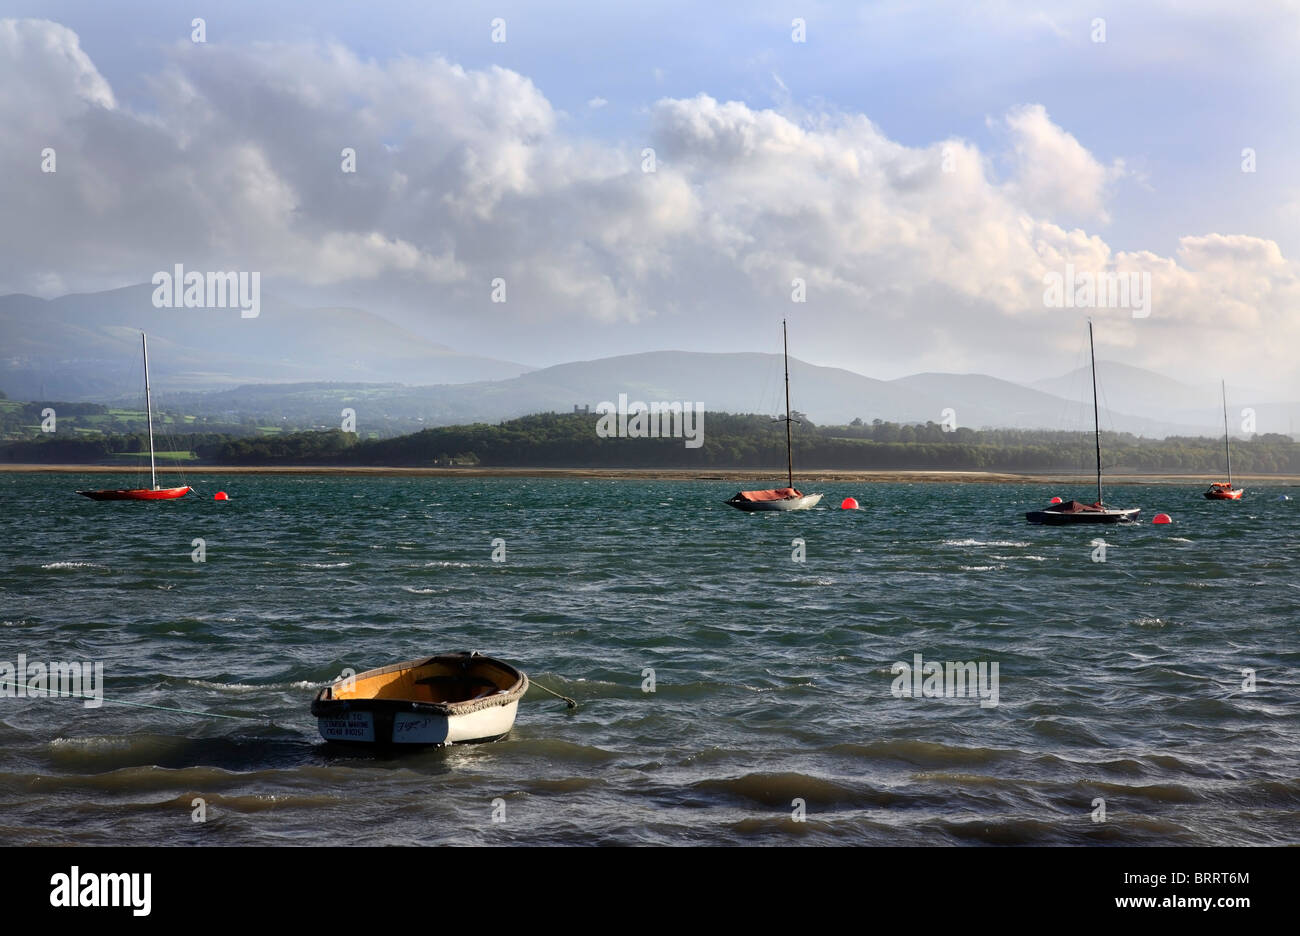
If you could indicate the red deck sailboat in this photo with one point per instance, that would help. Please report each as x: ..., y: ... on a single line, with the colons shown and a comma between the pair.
x: 149, y: 493
x: 1223, y: 490
x: 788, y: 497
x: 138, y: 493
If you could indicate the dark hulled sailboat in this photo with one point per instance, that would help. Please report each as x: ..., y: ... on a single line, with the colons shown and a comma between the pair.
x: 1074, y: 511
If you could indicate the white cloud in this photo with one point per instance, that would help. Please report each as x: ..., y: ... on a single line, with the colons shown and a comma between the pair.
x: 464, y: 175
x: 1055, y: 174
x: 57, y: 77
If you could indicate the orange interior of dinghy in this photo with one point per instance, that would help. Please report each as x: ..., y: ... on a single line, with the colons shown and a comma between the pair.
x: 433, y: 680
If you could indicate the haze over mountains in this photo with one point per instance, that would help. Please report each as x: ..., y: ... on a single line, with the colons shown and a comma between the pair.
x: 87, y: 347
x: 310, y: 362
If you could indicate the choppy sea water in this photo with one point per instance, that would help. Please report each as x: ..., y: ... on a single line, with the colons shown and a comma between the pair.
x: 1121, y: 681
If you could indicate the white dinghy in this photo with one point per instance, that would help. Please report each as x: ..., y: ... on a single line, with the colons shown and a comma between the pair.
x: 453, y: 698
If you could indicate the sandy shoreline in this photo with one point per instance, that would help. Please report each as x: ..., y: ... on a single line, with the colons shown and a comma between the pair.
x: 666, y: 474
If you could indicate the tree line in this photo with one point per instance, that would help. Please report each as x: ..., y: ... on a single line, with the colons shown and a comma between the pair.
x: 730, y: 441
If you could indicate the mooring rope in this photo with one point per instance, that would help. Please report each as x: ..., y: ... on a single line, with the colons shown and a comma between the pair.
x: 533, y: 682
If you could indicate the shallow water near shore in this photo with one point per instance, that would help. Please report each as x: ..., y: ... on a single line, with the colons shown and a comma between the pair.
x: 1119, y: 681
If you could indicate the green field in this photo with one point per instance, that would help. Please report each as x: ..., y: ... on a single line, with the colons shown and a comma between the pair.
x: 158, y: 456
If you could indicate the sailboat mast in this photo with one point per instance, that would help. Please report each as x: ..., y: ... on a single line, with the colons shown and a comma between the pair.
x: 148, y: 404
x: 1096, y: 419
x: 1227, y: 450
x: 789, y: 455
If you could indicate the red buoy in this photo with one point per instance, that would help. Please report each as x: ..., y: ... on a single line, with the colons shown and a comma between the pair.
x: 1054, y: 500
x: 220, y: 495
x: 1162, y: 518
x: 849, y: 504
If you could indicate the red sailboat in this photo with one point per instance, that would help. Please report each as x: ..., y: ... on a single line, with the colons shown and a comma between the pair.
x: 788, y: 497
x: 1223, y: 490
x: 149, y: 493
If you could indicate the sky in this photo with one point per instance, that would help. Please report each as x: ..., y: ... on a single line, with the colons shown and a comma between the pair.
x: 914, y: 172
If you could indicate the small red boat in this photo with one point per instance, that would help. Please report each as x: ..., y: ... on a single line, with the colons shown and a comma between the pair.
x: 1223, y: 490
x: 138, y: 494
x: 775, y: 499
x: 788, y: 497
x: 149, y: 493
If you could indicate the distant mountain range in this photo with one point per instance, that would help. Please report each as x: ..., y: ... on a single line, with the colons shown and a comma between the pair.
x: 1199, y: 408
x: 302, y: 366
x: 84, y: 347
x: 737, y: 383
